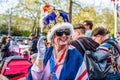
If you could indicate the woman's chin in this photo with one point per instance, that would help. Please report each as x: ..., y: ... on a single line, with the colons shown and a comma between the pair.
x: 63, y: 43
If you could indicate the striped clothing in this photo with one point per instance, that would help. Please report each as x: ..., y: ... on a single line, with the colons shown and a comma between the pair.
x: 82, y: 73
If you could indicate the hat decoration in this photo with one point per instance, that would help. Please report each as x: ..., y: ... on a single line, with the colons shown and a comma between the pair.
x: 55, y: 20
x: 46, y: 8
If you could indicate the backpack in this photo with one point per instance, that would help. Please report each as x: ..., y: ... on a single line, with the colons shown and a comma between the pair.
x: 115, y: 60
x: 95, y: 63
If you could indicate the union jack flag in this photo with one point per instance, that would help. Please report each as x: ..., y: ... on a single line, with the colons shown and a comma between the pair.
x: 82, y: 73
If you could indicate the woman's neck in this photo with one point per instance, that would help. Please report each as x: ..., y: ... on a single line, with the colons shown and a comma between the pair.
x: 81, y: 35
x: 105, y: 38
x: 59, y: 52
x: 59, y: 48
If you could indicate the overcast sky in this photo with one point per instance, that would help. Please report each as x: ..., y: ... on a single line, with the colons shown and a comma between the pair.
x: 97, y: 3
x: 7, y: 4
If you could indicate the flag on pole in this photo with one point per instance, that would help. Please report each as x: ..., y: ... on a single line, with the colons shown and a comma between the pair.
x: 114, y: 0
x: 44, y: 11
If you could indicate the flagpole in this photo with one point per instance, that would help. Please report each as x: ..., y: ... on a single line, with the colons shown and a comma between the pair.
x: 41, y: 20
x: 115, y: 18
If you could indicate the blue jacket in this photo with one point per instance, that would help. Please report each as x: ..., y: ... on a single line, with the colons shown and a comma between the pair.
x: 71, y: 65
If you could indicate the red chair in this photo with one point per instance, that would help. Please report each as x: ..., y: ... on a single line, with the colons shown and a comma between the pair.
x: 15, y: 67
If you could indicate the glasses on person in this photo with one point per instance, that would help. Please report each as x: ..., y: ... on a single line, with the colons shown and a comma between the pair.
x: 61, y: 32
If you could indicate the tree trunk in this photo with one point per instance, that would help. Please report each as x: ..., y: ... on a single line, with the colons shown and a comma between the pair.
x: 34, y: 25
x: 70, y: 11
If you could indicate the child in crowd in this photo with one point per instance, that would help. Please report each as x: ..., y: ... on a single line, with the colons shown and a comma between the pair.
x: 25, y: 54
x: 33, y: 58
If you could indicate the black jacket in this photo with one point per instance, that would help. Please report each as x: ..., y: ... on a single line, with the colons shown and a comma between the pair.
x: 33, y: 48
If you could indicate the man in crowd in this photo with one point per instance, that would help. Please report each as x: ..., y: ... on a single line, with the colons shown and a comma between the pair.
x: 88, y: 27
x: 79, y: 34
x: 33, y: 46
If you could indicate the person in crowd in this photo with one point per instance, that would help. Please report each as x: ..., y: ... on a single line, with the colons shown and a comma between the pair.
x: 60, y: 61
x: 79, y: 34
x: 33, y: 58
x: 10, y: 43
x: 7, y: 47
x: 88, y: 26
x: 118, y: 37
x: 2, y: 47
x: 100, y: 35
x: 25, y: 41
x: 25, y: 54
x: 33, y: 45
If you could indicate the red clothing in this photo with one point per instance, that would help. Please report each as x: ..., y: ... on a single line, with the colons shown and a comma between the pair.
x: 26, y: 56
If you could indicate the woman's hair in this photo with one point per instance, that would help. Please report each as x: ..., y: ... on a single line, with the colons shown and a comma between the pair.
x: 3, y: 39
x: 100, y: 31
x: 52, y: 40
x: 33, y: 55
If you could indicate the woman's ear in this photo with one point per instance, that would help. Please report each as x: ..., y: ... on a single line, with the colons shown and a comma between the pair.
x: 100, y: 37
x: 78, y: 31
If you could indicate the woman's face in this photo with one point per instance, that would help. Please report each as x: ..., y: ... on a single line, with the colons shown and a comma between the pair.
x: 118, y: 37
x: 98, y: 39
x: 62, y: 37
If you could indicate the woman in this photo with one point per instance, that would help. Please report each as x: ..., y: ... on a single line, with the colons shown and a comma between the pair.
x: 60, y: 61
x: 108, y: 51
x: 4, y: 47
x: 118, y: 37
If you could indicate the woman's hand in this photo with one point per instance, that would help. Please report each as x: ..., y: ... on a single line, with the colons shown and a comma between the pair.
x: 41, y: 48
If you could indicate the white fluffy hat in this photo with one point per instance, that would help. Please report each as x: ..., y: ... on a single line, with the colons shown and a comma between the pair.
x: 64, y: 25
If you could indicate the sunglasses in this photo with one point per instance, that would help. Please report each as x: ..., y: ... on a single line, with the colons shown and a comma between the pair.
x: 61, y: 32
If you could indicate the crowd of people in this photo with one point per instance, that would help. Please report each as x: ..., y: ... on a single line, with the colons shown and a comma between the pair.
x: 6, y: 46
x: 11, y: 47
x: 64, y: 58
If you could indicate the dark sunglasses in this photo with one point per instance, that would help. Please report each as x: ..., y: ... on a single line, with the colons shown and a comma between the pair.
x: 61, y: 32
